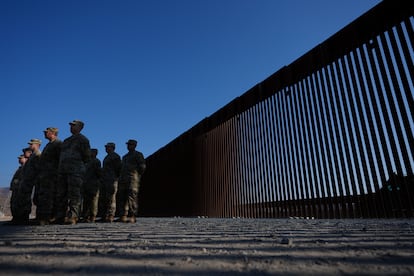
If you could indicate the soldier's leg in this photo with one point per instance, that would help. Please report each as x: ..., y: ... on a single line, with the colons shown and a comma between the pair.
x: 112, y: 191
x: 23, y: 205
x: 74, y: 196
x: 102, y: 201
x: 86, y: 204
x: 94, y: 204
x: 13, y: 202
x: 45, y: 200
x: 133, y: 199
x: 61, y: 198
x: 122, y: 197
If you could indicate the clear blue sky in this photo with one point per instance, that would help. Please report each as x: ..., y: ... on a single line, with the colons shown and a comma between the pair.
x: 144, y: 69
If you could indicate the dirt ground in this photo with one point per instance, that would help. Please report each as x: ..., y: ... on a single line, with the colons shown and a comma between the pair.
x: 206, y: 246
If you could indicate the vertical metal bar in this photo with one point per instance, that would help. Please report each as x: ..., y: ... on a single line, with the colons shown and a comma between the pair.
x: 381, y: 154
x: 281, y: 158
x: 407, y: 59
x: 295, y: 179
x: 410, y: 33
x: 207, y: 175
x: 254, y: 193
x: 249, y: 171
x: 220, y: 159
x: 331, y: 144
x: 409, y: 74
x: 303, y: 180
x: 256, y: 164
x: 362, y: 138
x: 263, y: 143
x: 337, y: 200
x: 351, y: 119
x: 314, y: 151
x: 338, y: 135
x: 325, y: 169
x: 210, y: 193
x: 288, y: 152
x: 297, y: 170
x: 308, y: 149
x: 351, y: 145
x: 213, y: 175
x: 239, y: 166
x: 226, y: 173
x: 405, y: 89
x: 379, y: 77
x: 199, y: 179
x: 210, y: 180
x: 286, y: 163
x: 232, y: 160
x: 203, y: 176
x: 277, y: 155
x: 217, y: 175
x: 349, y: 184
x: 242, y: 165
x: 379, y: 108
x: 404, y: 198
x: 269, y: 159
x: 259, y: 164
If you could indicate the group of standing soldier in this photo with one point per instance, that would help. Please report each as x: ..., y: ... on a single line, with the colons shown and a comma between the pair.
x: 67, y: 183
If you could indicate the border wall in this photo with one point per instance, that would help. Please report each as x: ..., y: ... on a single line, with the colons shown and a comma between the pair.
x: 328, y: 136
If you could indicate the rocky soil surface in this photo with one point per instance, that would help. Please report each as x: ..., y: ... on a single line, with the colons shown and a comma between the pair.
x: 207, y: 246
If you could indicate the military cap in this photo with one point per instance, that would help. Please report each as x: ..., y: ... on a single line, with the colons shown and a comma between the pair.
x: 51, y: 129
x: 132, y: 142
x: 95, y: 151
x: 26, y: 149
x: 110, y: 144
x: 77, y: 122
x: 34, y: 141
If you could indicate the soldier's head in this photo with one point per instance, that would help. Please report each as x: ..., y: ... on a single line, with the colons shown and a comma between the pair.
x: 27, y: 152
x: 22, y: 159
x: 131, y: 144
x: 34, y: 144
x: 110, y: 147
x: 76, y: 126
x: 94, y: 153
x: 51, y: 133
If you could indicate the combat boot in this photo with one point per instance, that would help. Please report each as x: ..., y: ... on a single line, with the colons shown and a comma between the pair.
x: 43, y: 222
x: 70, y: 221
x: 123, y: 219
x: 91, y: 219
x: 109, y: 218
x: 132, y: 219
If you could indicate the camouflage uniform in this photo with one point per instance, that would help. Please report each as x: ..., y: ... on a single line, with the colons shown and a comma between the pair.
x: 75, y: 153
x: 133, y: 166
x: 111, y: 170
x: 90, y: 189
x: 48, y: 177
x: 14, y: 186
x: 23, y: 202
